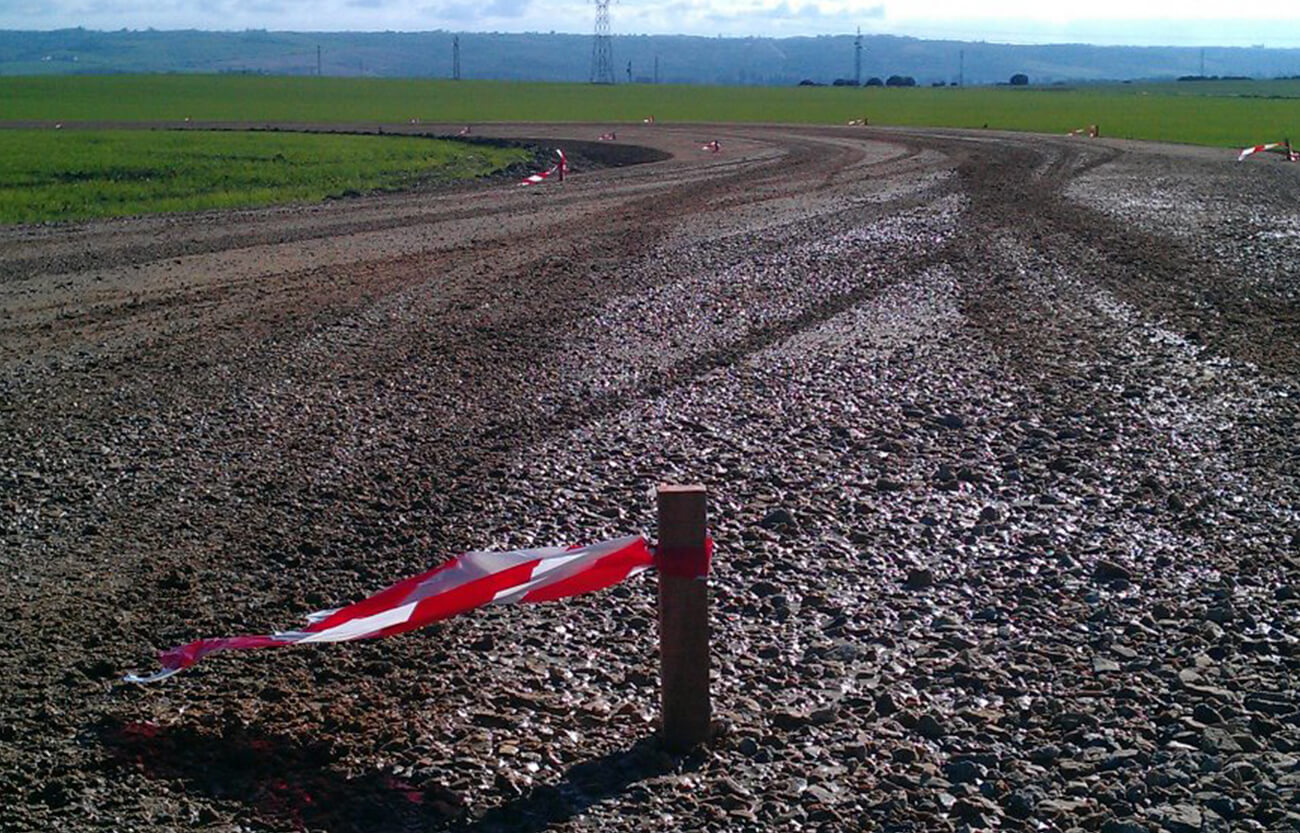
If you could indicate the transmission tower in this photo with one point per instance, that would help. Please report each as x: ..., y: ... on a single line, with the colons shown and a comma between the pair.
x: 455, y: 58
x: 602, y: 49
x: 857, y: 59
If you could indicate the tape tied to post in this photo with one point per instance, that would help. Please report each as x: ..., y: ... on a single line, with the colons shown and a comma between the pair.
x: 685, y: 562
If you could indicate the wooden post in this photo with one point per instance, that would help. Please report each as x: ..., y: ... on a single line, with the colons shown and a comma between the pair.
x: 683, y: 618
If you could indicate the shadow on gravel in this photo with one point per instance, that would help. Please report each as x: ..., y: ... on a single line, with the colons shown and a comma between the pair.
x: 289, y: 783
x: 284, y: 782
x: 583, y: 786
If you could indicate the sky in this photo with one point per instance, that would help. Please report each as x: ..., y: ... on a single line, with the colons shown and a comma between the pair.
x: 1152, y: 22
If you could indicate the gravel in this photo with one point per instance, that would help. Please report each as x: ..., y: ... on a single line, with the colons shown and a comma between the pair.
x: 1002, y: 473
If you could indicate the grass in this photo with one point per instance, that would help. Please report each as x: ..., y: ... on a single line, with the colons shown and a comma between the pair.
x: 77, y: 175
x: 1228, y: 114
x: 71, y: 174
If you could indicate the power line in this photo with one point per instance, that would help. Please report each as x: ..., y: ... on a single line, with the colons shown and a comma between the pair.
x: 602, y: 48
x: 857, y: 59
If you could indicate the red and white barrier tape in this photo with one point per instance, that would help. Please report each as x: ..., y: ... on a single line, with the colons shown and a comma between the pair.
x: 461, y: 584
x: 1283, y: 147
x: 561, y: 168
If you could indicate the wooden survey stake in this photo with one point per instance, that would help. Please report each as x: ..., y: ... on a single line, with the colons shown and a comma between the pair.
x: 683, y: 617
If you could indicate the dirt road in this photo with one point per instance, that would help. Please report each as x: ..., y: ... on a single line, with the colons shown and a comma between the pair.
x: 1000, y: 433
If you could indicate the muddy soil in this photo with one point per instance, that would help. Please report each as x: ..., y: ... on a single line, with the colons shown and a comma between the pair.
x: 999, y: 430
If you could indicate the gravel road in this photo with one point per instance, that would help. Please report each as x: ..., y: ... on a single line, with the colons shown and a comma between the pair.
x: 1000, y: 433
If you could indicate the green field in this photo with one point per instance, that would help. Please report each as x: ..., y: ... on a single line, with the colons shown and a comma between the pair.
x: 75, y: 175
x: 1213, y: 113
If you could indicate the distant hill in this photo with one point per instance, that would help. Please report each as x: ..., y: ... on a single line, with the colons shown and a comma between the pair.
x: 561, y: 57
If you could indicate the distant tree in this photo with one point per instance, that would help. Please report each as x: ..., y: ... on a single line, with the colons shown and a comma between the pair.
x: 844, y: 82
x: 873, y: 81
x: 938, y: 83
x: 808, y: 82
x: 1019, y: 79
x: 900, y: 81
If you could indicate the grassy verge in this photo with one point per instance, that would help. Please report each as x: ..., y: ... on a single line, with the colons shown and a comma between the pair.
x: 77, y: 175
x: 1212, y: 113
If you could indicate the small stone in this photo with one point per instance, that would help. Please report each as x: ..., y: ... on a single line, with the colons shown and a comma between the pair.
x: 857, y: 751
x: 919, y: 578
x: 1072, y: 770
x: 1225, y: 806
x: 1178, y: 818
x: 1206, y: 714
x: 1102, y: 665
x: 1069, y: 807
x: 903, y: 755
x: 929, y: 727
x: 1220, y: 614
x: 778, y: 519
x: 1045, y: 755
x: 1278, y: 705
x: 1247, y: 742
x: 973, y: 809
x: 1121, y: 759
x: 1109, y: 571
x: 963, y: 772
x: 732, y: 787
x: 1215, y: 741
x: 885, y: 704
x: 1021, y: 804
x: 788, y: 719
